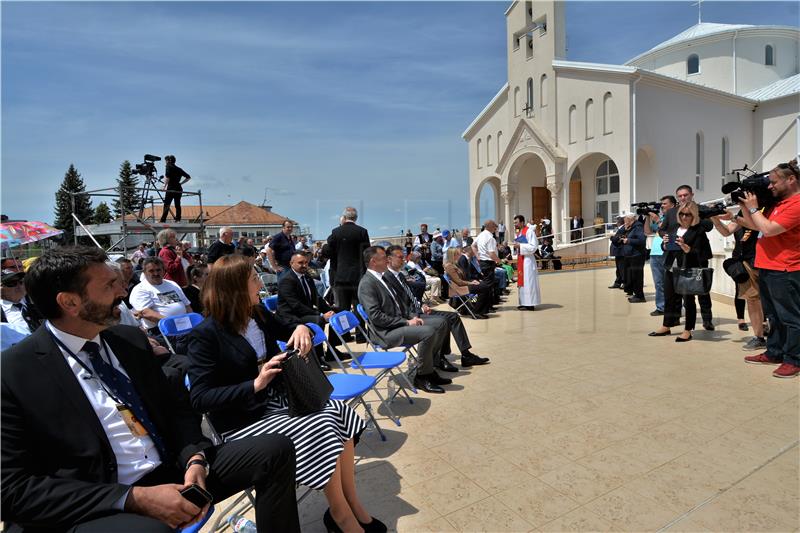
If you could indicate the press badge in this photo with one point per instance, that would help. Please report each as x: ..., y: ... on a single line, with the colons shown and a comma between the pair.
x: 136, y: 427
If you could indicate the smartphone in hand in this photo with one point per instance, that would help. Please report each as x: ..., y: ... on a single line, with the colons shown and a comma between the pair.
x: 197, y: 495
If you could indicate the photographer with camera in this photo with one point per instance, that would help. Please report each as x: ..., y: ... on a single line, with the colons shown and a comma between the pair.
x: 651, y: 226
x: 778, y: 261
x: 744, y: 252
x: 173, y: 187
x: 670, y: 226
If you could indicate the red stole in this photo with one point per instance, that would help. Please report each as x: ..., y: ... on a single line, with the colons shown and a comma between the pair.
x: 521, y: 259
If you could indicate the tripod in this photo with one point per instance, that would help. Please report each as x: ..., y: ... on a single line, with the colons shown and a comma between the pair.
x: 150, y: 184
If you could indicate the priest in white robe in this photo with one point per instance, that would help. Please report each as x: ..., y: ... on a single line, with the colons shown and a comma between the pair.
x: 526, y: 245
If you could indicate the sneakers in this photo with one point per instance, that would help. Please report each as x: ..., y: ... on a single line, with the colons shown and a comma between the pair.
x: 755, y: 343
x: 760, y: 359
x: 786, y: 370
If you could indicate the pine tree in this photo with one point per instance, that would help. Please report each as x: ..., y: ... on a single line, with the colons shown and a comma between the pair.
x: 83, y: 204
x: 102, y: 214
x: 131, y: 197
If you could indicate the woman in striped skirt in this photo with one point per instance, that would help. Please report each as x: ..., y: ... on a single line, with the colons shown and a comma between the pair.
x: 243, y: 400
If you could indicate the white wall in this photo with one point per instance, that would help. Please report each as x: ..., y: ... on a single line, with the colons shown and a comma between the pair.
x: 771, y: 120
x: 668, y: 121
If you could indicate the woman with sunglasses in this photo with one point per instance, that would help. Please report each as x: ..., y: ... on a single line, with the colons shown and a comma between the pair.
x: 244, y: 400
x: 685, y: 248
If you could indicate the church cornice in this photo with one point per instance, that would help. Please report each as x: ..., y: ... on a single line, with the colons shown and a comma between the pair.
x: 529, y: 136
x: 493, y: 105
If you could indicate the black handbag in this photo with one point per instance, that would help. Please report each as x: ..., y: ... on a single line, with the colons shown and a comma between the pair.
x: 307, y: 388
x: 692, y: 281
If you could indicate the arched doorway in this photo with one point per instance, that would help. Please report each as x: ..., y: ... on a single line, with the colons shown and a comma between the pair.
x: 599, y: 189
x: 487, y: 200
x: 528, y: 177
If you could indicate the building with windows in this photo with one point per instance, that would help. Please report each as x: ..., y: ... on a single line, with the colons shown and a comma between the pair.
x: 564, y: 138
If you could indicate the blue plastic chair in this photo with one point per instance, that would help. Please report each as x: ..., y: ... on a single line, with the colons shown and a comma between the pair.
x: 462, y: 300
x: 178, y: 325
x: 409, y: 349
x: 384, y: 362
x: 271, y: 303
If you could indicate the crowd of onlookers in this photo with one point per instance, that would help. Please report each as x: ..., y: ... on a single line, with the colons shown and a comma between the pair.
x: 764, y: 266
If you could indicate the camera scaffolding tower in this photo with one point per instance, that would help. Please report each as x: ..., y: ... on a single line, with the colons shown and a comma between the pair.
x: 131, y: 222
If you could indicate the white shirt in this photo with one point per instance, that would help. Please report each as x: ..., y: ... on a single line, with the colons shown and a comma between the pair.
x: 379, y: 277
x: 416, y: 267
x: 126, y: 317
x: 501, y: 228
x: 136, y: 456
x: 166, y: 299
x: 14, y: 315
x: 486, y: 245
x: 255, y: 338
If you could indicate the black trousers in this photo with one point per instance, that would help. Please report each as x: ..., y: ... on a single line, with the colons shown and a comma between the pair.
x: 266, y: 462
x: 672, y: 305
x: 346, y: 298
x: 705, y: 302
x: 487, y: 271
x: 634, y: 275
x: 619, y: 263
x: 169, y: 197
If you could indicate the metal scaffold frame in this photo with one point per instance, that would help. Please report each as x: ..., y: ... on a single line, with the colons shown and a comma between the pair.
x: 141, y: 224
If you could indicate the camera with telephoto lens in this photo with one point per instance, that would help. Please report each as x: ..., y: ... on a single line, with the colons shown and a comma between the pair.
x: 147, y: 168
x: 646, y: 208
x: 711, y: 210
x: 752, y: 182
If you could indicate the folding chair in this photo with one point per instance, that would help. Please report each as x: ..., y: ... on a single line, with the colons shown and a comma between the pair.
x: 462, y: 300
x: 195, y: 528
x: 410, y: 349
x: 349, y: 388
x: 384, y: 362
x: 270, y: 282
x: 271, y: 303
x: 172, y: 326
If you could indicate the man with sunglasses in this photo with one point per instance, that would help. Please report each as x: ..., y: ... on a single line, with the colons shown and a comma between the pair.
x: 16, y: 308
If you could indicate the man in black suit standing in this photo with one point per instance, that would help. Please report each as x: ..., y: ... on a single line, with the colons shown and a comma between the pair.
x: 298, y: 301
x: 94, y: 438
x: 346, y: 244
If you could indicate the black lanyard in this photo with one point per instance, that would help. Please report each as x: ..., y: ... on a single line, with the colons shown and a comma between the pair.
x: 89, y: 370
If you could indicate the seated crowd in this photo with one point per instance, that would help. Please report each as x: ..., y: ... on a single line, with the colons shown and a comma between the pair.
x: 110, y: 434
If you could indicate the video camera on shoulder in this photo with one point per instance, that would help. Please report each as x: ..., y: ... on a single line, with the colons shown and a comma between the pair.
x: 754, y: 182
x: 646, y: 208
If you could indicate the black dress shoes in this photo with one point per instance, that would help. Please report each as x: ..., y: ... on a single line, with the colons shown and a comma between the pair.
x: 446, y: 365
x: 469, y: 360
x: 681, y: 339
x: 376, y: 526
x: 439, y: 380
x: 614, y: 286
x: 636, y: 300
x: 656, y: 313
x: 708, y: 326
x: 657, y: 334
x: 425, y: 383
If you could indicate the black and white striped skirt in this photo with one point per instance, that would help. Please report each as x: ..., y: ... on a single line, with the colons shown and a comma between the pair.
x: 318, y: 438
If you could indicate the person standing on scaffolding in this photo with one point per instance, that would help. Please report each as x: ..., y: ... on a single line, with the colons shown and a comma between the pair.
x: 173, y: 187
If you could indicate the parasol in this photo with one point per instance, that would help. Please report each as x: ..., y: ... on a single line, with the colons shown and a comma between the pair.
x: 18, y: 233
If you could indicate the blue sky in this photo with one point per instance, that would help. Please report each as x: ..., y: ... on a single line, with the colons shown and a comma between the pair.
x: 324, y: 104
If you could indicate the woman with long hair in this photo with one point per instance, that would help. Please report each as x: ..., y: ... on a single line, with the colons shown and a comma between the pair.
x: 691, y: 245
x: 243, y: 400
x: 461, y: 286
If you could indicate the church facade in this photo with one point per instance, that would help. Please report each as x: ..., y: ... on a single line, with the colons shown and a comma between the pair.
x: 564, y: 138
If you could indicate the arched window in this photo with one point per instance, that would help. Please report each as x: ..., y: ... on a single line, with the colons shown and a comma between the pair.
x: 489, y: 151
x: 693, y: 64
x: 529, y: 101
x: 699, y: 160
x: 572, y: 123
x: 478, y: 147
x: 607, y: 113
x: 543, y: 91
x: 725, y: 156
x: 607, y: 190
x: 516, y: 102
x: 769, y: 55
x: 589, y: 118
x: 499, y: 145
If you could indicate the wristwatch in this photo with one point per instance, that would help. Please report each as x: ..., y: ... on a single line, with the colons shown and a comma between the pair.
x: 753, y: 210
x: 201, y: 462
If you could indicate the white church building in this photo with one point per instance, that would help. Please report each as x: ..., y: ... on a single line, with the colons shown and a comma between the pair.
x: 564, y: 138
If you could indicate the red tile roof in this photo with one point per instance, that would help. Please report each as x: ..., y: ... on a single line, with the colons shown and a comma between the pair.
x: 243, y: 213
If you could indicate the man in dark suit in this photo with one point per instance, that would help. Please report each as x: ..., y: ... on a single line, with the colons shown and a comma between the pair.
x: 393, y: 325
x: 402, y: 291
x: 298, y: 301
x: 94, y: 438
x: 345, y: 246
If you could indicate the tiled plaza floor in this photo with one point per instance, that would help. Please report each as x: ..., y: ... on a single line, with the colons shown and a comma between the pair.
x: 583, y: 423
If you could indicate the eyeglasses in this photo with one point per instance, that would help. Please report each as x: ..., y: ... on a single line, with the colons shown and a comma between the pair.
x: 12, y: 283
x: 686, y: 214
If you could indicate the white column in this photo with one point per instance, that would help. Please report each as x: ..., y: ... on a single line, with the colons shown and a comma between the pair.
x: 555, y: 187
x: 508, y: 197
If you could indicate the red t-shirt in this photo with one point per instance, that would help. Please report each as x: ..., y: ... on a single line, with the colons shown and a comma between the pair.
x: 782, y: 252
